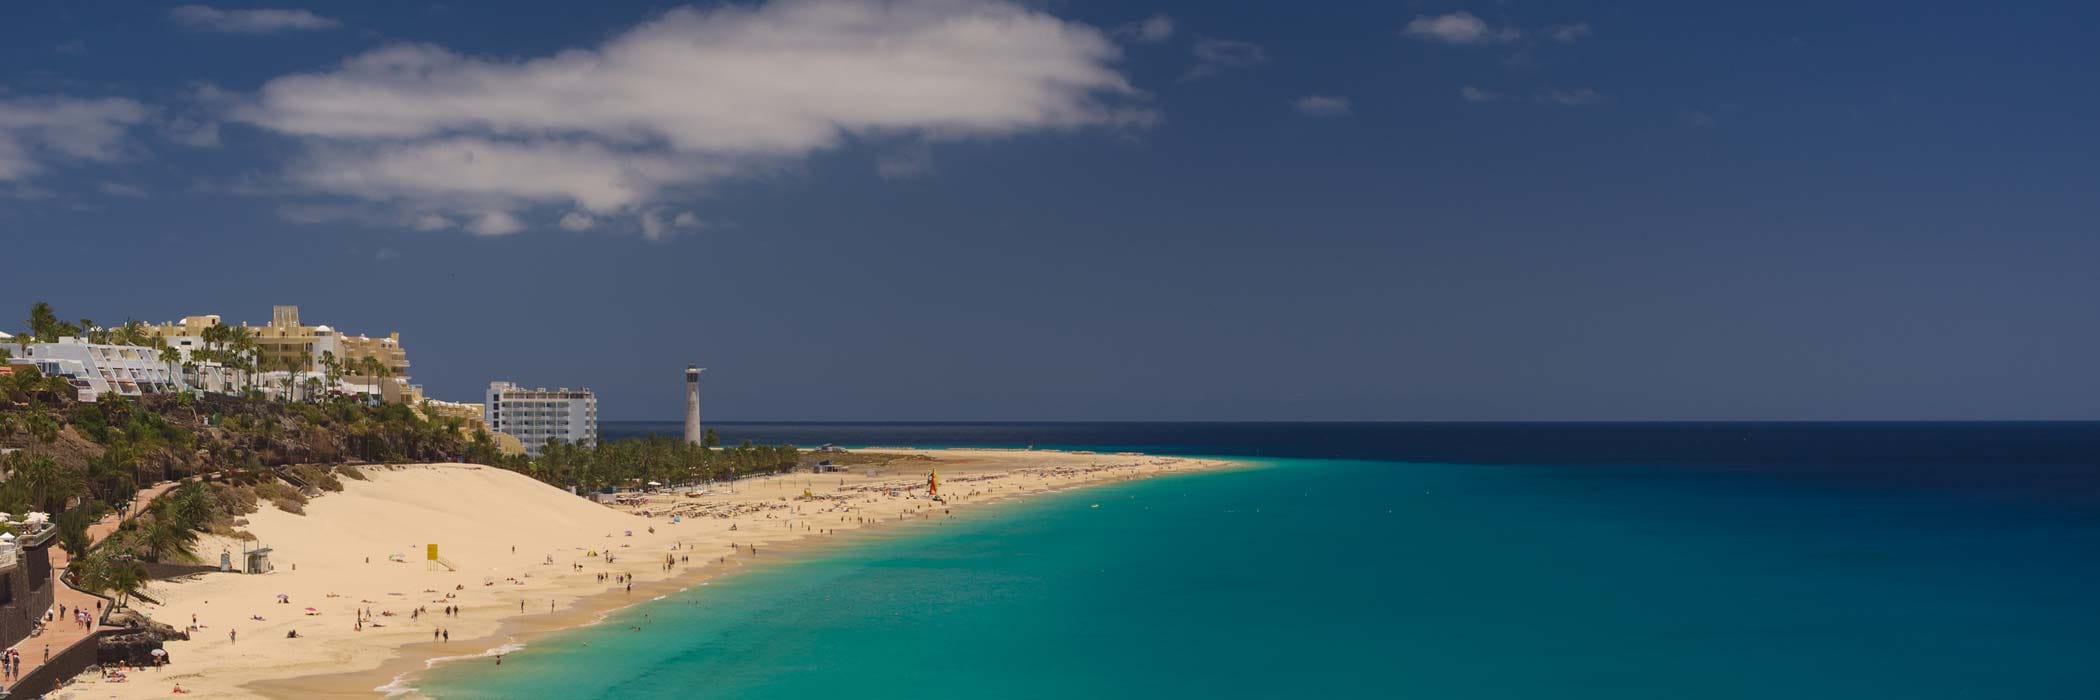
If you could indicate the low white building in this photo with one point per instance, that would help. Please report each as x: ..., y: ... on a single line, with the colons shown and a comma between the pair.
x: 534, y: 416
x: 96, y: 369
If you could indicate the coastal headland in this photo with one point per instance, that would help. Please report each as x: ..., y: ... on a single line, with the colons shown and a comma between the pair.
x: 354, y: 603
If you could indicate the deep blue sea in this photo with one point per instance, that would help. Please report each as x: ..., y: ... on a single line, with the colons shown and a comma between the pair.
x: 1419, y: 561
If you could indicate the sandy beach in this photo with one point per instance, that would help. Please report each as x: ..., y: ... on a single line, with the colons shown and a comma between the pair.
x: 522, y: 558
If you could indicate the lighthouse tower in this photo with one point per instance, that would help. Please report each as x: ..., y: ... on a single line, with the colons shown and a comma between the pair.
x: 692, y: 405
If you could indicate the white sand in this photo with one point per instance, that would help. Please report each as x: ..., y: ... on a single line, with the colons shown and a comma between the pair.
x: 477, y: 515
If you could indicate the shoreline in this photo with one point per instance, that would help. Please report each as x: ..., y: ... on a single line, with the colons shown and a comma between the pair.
x: 395, y: 678
x: 982, y: 480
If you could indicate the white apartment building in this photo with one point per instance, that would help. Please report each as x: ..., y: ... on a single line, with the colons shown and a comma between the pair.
x: 534, y: 416
x: 95, y: 369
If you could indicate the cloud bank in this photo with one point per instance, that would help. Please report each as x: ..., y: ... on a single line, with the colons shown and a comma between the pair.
x: 690, y: 98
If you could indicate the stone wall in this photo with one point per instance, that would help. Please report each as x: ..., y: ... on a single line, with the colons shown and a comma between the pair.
x: 64, y: 664
x: 28, y: 590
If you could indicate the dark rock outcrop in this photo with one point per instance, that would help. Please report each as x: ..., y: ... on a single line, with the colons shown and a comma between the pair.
x: 135, y: 647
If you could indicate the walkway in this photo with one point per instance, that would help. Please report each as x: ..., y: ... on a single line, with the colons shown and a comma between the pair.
x: 102, y: 529
x: 61, y: 633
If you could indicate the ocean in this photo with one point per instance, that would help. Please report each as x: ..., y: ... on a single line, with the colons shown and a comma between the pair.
x: 1414, y: 560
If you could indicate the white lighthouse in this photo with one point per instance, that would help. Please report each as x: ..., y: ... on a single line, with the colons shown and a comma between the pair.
x: 692, y: 405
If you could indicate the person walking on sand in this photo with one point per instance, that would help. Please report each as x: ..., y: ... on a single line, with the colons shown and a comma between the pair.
x: 448, y: 635
x: 232, y: 635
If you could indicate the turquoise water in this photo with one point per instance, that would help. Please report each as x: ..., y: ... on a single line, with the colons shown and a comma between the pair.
x: 1321, y: 578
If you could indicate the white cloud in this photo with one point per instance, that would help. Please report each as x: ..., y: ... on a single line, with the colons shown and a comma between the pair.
x: 122, y: 190
x: 1322, y: 106
x: 656, y: 228
x: 1216, y: 55
x: 577, y: 221
x: 495, y: 223
x: 1459, y: 28
x: 1572, y: 98
x: 431, y: 222
x: 212, y: 19
x: 1152, y: 30
x: 1474, y: 94
x: 38, y: 132
x: 1569, y: 32
x: 685, y: 100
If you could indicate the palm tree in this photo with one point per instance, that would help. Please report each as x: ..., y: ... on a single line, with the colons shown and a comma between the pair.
x: 131, y: 333
x: 170, y: 356
x: 41, y: 321
x: 167, y: 536
x: 73, y: 531
x: 110, y: 475
x: 112, y: 570
x: 291, y: 367
x: 214, y: 337
x: 303, y: 363
x: 44, y: 484
x: 246, y: 352
x: 331, y: 369
x: 42, y: 426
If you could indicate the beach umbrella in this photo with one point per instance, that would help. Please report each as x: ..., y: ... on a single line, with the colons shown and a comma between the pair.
x: 160, y: 652
x: 652, y: 483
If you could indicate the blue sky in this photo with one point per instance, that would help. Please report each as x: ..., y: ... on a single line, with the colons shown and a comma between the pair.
x: 977, y: 209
